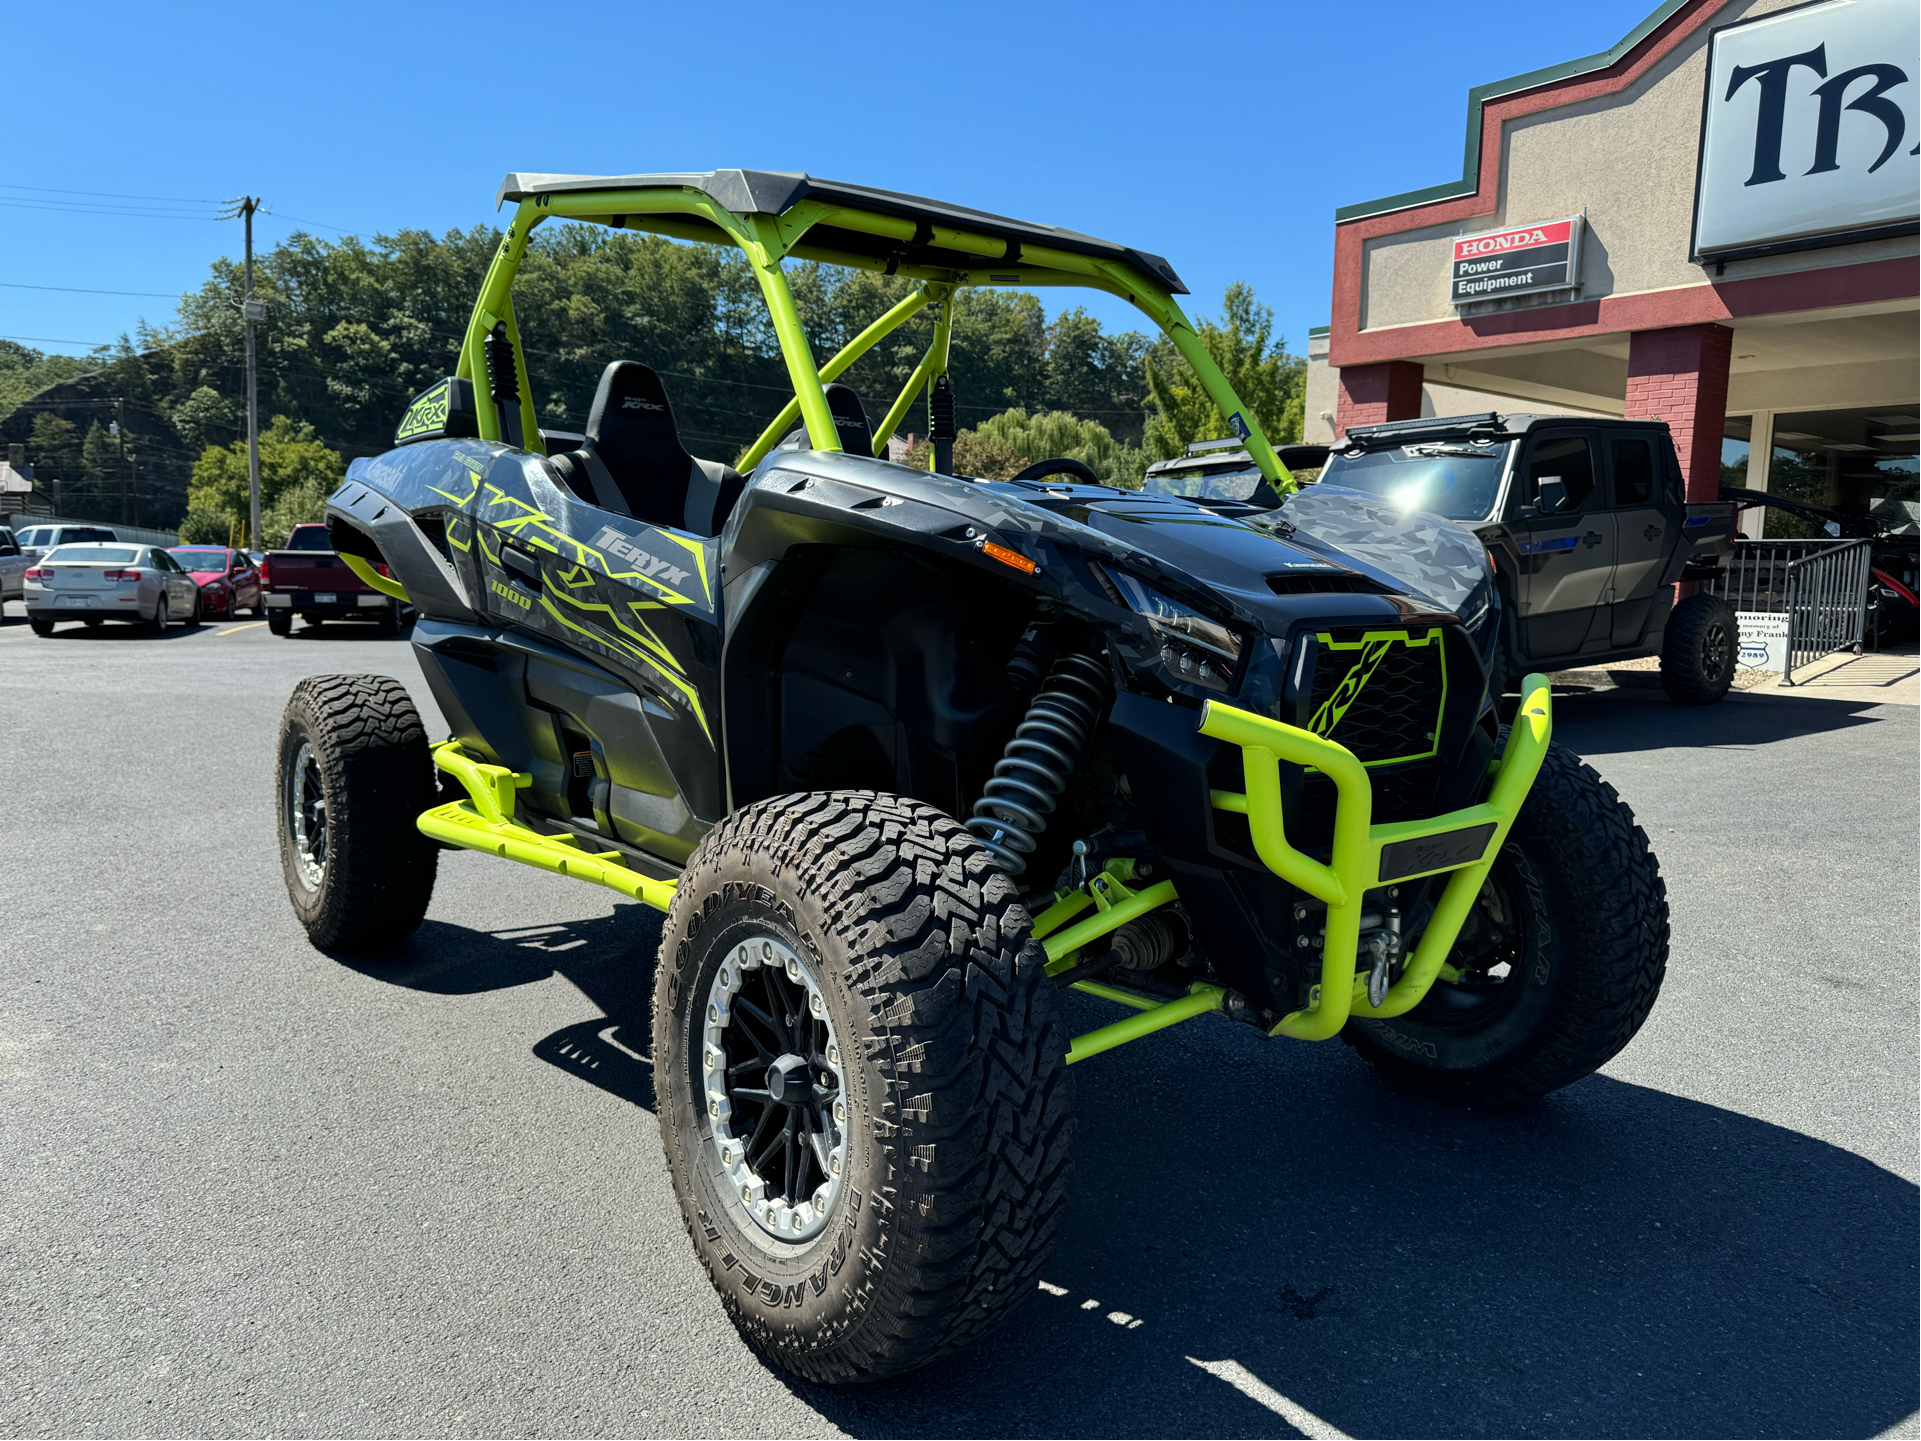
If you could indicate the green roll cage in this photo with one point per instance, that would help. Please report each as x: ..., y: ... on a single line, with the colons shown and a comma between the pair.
x: 905, y: 231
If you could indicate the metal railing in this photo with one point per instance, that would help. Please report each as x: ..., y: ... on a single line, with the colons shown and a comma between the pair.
x: 1827, y: 603
x: 1756, y: 578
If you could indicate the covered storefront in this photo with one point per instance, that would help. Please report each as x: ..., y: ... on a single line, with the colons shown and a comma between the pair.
x: 1712, y: 224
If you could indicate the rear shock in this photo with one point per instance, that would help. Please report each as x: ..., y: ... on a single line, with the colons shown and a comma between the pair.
x: 940, y: 424
x: 1034, y: 770
x: 503, y: 381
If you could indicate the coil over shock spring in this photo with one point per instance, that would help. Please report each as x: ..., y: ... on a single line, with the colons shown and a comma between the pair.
x: 1034, y: 769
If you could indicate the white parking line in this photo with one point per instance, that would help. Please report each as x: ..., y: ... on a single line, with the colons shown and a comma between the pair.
x: 1255, y: 1389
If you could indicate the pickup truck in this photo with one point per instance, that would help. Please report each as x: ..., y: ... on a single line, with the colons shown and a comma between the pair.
x: 309, y: 580
x: 1588, y: 529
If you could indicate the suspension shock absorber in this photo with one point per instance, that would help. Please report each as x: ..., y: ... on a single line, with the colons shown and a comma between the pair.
x: 1034, y: 769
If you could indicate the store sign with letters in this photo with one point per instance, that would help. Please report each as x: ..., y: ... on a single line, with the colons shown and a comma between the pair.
x: 1809, y: 129
x: 1520, y: 260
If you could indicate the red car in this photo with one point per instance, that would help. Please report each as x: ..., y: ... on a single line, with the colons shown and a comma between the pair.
x: 228, y: 582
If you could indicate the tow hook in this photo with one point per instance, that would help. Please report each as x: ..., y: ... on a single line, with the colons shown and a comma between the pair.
x: 1386, y: 952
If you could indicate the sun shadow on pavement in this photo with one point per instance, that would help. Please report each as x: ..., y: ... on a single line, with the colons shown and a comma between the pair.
x: 610, y: 959
x: 1265, y: 1239
x: 1614, y: 1261
x: 1615, y: 721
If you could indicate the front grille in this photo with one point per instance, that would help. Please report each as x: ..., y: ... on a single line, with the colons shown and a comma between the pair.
x: 1380, y: 692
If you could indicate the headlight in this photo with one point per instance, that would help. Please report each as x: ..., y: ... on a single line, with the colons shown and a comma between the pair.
x: 1194, y: 646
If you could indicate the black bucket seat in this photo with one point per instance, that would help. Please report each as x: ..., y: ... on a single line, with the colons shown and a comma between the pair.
x: 632, y: 462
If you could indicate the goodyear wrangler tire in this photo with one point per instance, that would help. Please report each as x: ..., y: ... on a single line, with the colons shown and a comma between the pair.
x: 862, y: 1082
x: 1561, y: 958
x: 353, y: 777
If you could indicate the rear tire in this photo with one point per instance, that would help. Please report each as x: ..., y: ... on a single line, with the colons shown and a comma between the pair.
x: 353, y: 777
x: 1699, y: 650
x: 1562, y: 956
x: 158, y: 625
x: 38, y: 626
x: 907, y: 943
x: 279, y: 622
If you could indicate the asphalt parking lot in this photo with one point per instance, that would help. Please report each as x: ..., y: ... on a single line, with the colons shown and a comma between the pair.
x: 248, y: 1189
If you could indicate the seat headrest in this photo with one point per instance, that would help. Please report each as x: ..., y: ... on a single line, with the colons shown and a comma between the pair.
x: 631, y: 423
x: 850, y: 419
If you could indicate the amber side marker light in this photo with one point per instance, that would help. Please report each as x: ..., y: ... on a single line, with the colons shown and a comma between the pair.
x: 1008, y: 557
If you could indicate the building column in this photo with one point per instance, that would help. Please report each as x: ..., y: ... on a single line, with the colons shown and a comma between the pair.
x: 1370, y: 394
x: 1681, y: 376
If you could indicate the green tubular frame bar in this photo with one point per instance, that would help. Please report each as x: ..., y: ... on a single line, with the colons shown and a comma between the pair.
x: 767, y: 240
x: 485, y: 822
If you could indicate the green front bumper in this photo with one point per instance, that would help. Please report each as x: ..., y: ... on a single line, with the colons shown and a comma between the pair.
x: 1365, y: 855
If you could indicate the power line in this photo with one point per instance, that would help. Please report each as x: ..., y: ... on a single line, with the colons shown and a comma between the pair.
x: 106, y: 194
x: 116, y: 212
x: 338, y: 230
x: 83, y: 290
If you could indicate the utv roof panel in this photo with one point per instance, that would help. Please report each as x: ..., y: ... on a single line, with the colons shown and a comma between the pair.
x: 774, y: 192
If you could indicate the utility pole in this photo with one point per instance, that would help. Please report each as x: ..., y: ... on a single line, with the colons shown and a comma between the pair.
x: 120, y: 439
x: 251, y: 311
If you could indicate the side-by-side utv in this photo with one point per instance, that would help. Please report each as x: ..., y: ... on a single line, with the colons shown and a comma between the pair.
x: 901, y: 754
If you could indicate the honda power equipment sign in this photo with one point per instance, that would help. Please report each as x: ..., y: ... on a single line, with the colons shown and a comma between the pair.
x: 1520, y: 260
x: 1808, y: 129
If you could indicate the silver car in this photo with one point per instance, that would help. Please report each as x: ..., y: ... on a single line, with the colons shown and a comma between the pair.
x: 96, y: 583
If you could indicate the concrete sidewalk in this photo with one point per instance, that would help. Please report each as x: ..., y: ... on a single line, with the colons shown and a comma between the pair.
x: 1877, y: 678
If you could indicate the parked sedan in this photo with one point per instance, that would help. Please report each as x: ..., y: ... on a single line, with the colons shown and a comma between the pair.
x: 229, y: 583
x: 96, y: 583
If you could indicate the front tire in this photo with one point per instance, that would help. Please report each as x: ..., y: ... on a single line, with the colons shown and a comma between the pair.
x: 354, y: 775
x: 1699, y: 650
x: 1561, y: 958
x: 940, y: 1161
x: 193, y: 621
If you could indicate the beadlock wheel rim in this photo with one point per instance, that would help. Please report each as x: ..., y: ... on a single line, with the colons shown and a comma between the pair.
x: 307, y: 816
x: 781, y: 1150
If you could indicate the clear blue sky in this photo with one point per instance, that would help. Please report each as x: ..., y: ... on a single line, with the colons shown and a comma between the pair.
x: 1220, y: 135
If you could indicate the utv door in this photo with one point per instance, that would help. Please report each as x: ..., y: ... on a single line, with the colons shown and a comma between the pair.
x: 1567, y: 551
x: 1647, y: 517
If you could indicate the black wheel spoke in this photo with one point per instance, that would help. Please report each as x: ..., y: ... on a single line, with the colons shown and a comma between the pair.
x: 748, y: 1008
x: 791, y: 1141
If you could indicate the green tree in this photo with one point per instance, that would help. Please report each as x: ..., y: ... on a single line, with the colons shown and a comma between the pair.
x: 303, y: 501
x: 101, y: 465
x: 207, y: 527
x: 204, y: 418
x: 25, y: 371
x: 1269, y: 381
x: 53, y: 445
x: 1057, y: 434
x: 292, y: 463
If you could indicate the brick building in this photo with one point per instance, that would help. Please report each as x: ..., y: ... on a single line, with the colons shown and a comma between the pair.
x: 1713, y: 223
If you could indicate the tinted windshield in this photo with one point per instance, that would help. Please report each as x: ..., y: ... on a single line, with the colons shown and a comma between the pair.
x: 92, y: 555
x: 310, y: 537
x: 213, y: 560
x: 1455, y: 480
x: 1222, y: 485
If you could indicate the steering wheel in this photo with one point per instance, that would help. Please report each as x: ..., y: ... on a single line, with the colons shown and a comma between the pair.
x: 1061, y: 465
